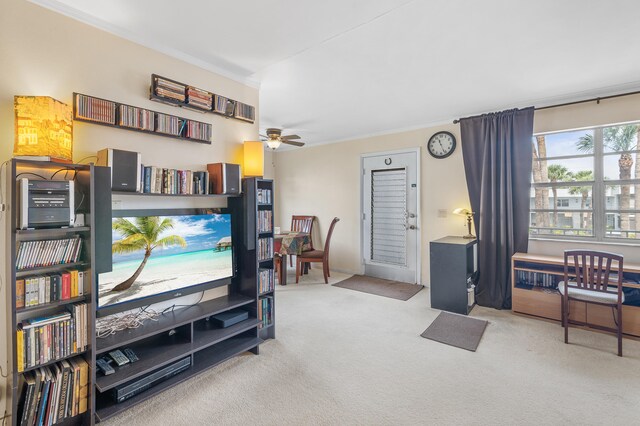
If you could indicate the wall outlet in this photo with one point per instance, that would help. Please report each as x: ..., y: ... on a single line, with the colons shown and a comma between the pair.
x: 116, y: 204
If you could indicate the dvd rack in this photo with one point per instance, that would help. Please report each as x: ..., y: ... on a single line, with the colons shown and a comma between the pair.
x: 50, y: 304
x: 256, y: 260
x: 115, y: 114
x: 175, y: 93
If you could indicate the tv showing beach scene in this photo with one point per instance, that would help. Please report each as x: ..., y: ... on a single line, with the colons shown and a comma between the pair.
x: 153, y: 255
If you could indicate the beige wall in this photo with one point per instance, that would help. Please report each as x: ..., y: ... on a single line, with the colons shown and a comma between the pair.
x: 43, y: 53
x: 324, y: 181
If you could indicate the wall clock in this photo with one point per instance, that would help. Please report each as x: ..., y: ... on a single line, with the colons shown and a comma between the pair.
x: 441, y: 144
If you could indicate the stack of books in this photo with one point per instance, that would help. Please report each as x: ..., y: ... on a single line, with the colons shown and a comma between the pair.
x: 169, y: 89
x: 136, y: 118
x: 224, y: 105
x: 264, y: 196
x: 55, y: 392
x: 37, y: 254
x: 265, y: 311
x: 169, y: 124
x: 94, y: 109
x: 44, y: 339
x: 265, y: 280
x: 245, y: 112
x: 158, y: 180
x: 265, y: 248
x: 197, y: 130
x: 265, y: 218
x: 199, y: 98
x: 45, y: 289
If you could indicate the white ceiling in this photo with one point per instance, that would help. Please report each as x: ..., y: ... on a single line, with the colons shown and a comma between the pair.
x: 341, y: 69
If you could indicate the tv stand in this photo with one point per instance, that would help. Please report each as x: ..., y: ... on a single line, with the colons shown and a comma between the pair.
x: 156, y: 346
x: 184, y: 332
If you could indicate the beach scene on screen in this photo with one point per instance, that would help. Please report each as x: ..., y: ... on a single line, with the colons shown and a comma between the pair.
x: 158, y: 254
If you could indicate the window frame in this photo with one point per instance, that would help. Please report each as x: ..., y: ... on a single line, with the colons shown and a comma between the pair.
x: 598, y: 205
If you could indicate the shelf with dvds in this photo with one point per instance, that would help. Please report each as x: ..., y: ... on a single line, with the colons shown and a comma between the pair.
x: 256, y: 260
x: 535, y: 292
x: 51, y: 313
x: 95, y: 110
x: 175, y: 93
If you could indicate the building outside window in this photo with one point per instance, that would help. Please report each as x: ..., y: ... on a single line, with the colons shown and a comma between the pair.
x: 586, y: 184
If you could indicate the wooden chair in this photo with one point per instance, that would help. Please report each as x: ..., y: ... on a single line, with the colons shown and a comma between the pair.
x: 302, y: 224
x: 317, y: 255
x: 591, y: 285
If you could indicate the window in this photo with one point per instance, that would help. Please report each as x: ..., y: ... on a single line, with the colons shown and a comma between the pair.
x: 586, y: 184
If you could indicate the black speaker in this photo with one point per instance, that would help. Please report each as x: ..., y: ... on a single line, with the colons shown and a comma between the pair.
x: 125, y: 168
x: 224, y: 178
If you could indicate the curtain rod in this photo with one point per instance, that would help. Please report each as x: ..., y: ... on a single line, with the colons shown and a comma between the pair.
x: 597, y: 100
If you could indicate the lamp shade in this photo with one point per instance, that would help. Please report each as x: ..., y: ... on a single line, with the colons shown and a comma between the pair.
x: 253, y: 158
x: 462, y: 211
x: 43, y: 128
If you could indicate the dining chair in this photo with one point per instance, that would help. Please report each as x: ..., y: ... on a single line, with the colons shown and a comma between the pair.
x: 317, y: 255
x: 302, y: 224
x: 591, y: 285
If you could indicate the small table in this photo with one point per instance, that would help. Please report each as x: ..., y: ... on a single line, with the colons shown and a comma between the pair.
x: 287, y: 243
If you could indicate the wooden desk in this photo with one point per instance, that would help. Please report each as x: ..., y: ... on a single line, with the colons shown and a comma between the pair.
x: 544, y: 300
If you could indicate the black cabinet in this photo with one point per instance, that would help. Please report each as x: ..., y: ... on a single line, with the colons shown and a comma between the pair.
x: 453, y: 267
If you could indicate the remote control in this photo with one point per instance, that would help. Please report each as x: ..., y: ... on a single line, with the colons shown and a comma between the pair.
x: 104, y: 366
x: 119, y: 357
x: 130, y: 354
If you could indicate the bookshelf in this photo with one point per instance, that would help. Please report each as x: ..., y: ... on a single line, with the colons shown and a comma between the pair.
x: 51, y: 325
x: 175, y: 93
x: 534, y: 288
x: 176, y: 335
x: 256, y: 260
x: 91, y: 109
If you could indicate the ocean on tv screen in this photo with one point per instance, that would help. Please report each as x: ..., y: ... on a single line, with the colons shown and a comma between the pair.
x: 159, y: 254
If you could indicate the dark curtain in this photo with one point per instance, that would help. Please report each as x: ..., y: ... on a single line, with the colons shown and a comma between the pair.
x: 496, y: 150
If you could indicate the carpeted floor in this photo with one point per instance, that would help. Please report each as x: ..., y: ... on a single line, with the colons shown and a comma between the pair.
x: 351, y: 358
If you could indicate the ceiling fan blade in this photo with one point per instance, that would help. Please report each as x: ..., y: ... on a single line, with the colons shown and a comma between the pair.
x: 294, y: 143
x: 289, y: 137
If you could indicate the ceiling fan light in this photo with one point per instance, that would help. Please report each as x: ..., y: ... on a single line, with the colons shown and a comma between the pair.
x: 273, y: 143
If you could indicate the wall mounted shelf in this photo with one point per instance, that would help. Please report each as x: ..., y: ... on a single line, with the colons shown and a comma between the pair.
x: 175, y: 93
x: 90, y: 109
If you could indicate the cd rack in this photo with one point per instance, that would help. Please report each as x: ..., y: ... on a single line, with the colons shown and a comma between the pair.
x: 95, y: 110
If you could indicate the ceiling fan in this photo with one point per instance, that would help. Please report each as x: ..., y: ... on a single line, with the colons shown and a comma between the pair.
x: 274, y: 138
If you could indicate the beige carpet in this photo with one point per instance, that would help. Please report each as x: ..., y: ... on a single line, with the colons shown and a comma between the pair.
x: 351, y: 358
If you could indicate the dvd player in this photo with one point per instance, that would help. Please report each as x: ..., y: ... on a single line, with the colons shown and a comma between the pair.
x: 128, y: 390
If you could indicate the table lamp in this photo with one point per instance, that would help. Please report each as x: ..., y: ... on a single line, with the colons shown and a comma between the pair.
x: 253, y: 158
x: 43, y: 129
x: 469, y: 214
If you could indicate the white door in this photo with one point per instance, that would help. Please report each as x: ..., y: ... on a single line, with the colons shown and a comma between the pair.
x: 390, y: 215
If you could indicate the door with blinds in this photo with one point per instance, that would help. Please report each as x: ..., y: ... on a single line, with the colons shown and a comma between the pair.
x: 390, y: 216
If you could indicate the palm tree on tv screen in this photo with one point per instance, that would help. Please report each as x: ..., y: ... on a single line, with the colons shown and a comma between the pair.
x: 142, y: 235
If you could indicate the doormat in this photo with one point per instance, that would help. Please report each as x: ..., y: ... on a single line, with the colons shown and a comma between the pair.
x: 456, y: 330
x: 380, y: 287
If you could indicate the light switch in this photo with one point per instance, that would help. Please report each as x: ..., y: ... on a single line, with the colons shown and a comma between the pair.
x: 442, y: 212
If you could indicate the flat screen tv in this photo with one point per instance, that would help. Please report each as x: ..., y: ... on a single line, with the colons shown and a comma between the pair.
x: 161, y: 254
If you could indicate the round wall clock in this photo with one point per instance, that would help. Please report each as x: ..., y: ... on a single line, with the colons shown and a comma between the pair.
x: 441, y: 144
